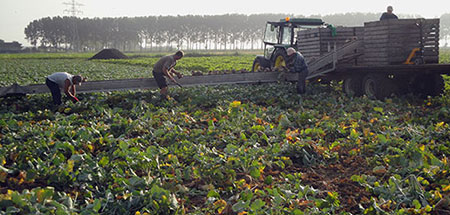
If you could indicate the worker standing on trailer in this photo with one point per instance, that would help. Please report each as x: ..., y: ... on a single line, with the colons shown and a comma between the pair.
x: 65, y: 81
x: 164, y: 67
x: 389, y: 14
x: 299, y: 66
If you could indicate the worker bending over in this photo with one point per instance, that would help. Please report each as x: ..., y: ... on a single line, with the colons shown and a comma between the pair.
x: 299, y: 66
x: 63, y: 80
x: 164, y: 67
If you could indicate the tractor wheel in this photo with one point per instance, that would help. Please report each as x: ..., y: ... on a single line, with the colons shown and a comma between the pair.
x: 427, y: 85
x: 352, y: 86
x: 259, y: 64
x: 378, y: 86
x: 279, y: 60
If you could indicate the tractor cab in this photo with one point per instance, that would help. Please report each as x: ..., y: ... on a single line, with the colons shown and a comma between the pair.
x: 278, y: 36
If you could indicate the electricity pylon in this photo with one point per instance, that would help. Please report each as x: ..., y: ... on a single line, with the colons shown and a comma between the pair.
x: 74, y: 11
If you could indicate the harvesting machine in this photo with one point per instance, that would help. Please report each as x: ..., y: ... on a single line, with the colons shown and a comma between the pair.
x: 378, y: 59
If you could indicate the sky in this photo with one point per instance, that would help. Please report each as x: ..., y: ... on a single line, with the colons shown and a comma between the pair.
x: 16, y: 14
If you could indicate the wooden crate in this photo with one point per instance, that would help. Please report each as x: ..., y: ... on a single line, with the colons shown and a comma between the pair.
x: 313, y: 43
x: 390, y: 42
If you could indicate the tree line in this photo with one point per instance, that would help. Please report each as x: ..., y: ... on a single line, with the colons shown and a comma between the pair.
x: 207, y: 32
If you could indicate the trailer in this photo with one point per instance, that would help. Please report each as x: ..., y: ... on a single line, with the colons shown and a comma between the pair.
x: 379, y: 59
x: 394, y: 57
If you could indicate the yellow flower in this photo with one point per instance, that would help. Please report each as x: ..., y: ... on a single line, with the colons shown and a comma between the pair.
x: 422, y: 148
x: 235, y: 104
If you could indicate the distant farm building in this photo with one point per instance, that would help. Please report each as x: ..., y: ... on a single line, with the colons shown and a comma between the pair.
x: 12, y: 47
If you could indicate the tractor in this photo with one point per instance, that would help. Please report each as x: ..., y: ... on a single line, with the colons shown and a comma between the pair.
x: 278, y: 36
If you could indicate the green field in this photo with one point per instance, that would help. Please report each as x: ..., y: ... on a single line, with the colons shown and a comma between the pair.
x: 33, y: 68
x: 247, y: 149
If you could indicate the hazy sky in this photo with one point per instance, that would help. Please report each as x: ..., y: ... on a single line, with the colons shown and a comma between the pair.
x: 16, y: 14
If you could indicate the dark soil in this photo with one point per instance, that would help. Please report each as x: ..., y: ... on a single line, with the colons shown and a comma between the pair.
x: 109, y: 54
x: 337, y: 178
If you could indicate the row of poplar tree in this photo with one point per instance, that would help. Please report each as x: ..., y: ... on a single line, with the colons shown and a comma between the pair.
x: 229, y: 31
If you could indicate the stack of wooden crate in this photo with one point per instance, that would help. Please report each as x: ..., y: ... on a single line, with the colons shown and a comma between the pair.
x: 315, y: 42
x: 390, y: 42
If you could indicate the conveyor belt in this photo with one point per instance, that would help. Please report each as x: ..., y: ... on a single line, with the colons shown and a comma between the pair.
x: 150, y: 83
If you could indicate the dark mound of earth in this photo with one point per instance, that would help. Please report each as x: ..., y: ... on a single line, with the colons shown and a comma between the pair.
x: 109, y: 54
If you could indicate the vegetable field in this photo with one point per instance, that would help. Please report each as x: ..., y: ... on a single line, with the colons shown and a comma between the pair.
x: 233, y: 149
x: 31, y: 69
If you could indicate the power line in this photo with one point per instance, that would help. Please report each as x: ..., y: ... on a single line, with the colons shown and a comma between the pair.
x: 74, y: 11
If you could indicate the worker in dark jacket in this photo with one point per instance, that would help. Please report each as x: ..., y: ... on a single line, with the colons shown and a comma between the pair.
x: 164, y: 67
x: 299, y: 66
x: 388, y: 14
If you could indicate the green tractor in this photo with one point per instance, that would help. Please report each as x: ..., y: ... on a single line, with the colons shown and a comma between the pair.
x: 278, y: 36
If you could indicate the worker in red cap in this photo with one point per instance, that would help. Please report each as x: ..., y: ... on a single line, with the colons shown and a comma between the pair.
x: 299, y: 66
x: 63, y: 80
